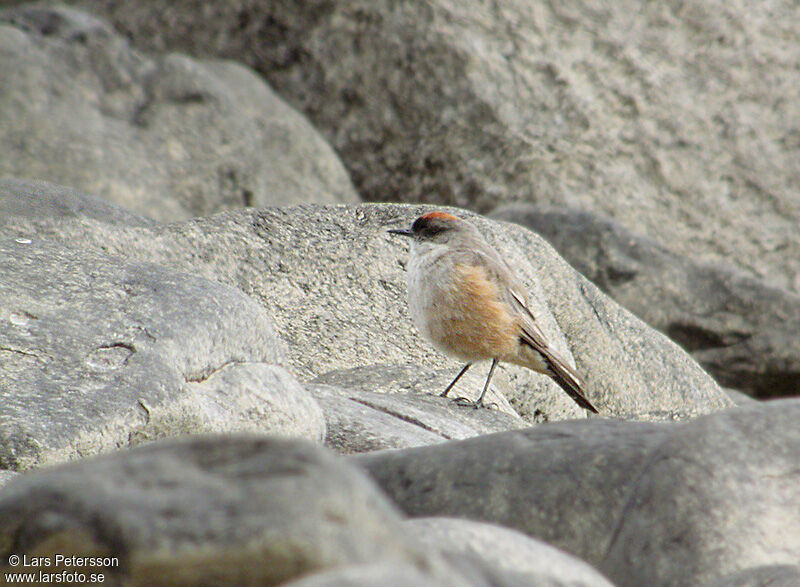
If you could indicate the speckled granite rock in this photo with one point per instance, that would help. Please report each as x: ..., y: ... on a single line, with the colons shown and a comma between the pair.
x: 333, y: 281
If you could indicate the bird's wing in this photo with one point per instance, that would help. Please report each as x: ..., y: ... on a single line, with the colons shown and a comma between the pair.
x: 511, y: 291
x: 566, y: 377
x: 498, y: 271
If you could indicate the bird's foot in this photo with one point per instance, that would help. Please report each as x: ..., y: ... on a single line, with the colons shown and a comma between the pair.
x: 465, y: 402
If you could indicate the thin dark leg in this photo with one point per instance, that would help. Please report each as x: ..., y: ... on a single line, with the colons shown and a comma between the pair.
x: 479, y: 403
x: 449, y: 387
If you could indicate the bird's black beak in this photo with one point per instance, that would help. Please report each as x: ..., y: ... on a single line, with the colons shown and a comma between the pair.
x: 401, y: 232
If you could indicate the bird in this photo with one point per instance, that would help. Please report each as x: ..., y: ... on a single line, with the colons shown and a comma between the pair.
x: 464, y: 298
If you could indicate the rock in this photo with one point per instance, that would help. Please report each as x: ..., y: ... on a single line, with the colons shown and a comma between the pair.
x: 507, y: 550
x: 716, y: 498
x: 98, y: 352
x: 645, y: 503
x: 678, y: 119
x: 383, y: 574
x: 564, y: 483
x: 360, y: 421
x: 739, y: 398
x: 355, y: 425
x: 168, y: 137
x: 227, y: 510
x: 39, y: 199
x: 741, y: 329
x: 404, y: 379
x: 464, y: 573
x: 6, y: 476
x: 253, y: 397
x: 333, y: 280
x: 766, y: 576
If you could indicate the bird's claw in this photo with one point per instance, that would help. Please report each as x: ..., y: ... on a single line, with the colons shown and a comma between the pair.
x: 465, y: 402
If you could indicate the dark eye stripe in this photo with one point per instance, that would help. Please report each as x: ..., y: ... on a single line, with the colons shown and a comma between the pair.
x: 428, y: 226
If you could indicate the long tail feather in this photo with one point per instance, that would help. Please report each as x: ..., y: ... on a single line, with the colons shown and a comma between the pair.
x: 568, y: 381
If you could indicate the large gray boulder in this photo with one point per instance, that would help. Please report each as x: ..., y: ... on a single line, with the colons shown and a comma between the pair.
x: 98, y: 352
x: 645, y: 503
x: 169, y: 136
x: 717, y: 497
x: 564, y: 483
x: 228, y: 510
x: 741, y: 329
x: 677, y: 118
x: 333, y: 280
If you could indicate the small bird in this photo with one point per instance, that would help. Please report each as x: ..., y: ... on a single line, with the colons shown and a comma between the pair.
x: 466, y: 300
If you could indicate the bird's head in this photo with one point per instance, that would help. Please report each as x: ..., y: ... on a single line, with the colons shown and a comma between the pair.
x: 434, y: 227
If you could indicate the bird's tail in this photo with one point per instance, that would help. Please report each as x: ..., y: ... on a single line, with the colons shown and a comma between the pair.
x: 569, y: 381
x: 561, y: 373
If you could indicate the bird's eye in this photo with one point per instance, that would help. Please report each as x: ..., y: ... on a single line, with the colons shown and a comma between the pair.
x: 433, y: 230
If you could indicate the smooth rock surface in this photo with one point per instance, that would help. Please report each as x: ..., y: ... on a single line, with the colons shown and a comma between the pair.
x: 564, y: 483
x: 739, y: 328
x: 508, y: 550
x: 717, y: 497
x: 766, y: 576
x: 464, y: 573
x: 333, y: 280
x: 97, y: 352
x: 676, y: 118
x: 656, y: 504
x: 385, y: 575
x: 739, y: 398
x: 245, y: 397
x: 168, y: 137
x: 40, y: 199
x: 225, y: 510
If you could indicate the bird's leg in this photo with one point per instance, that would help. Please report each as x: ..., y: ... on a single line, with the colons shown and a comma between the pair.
x: 452, y: 383
x: 479, y: 403
x: 465, y: 401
